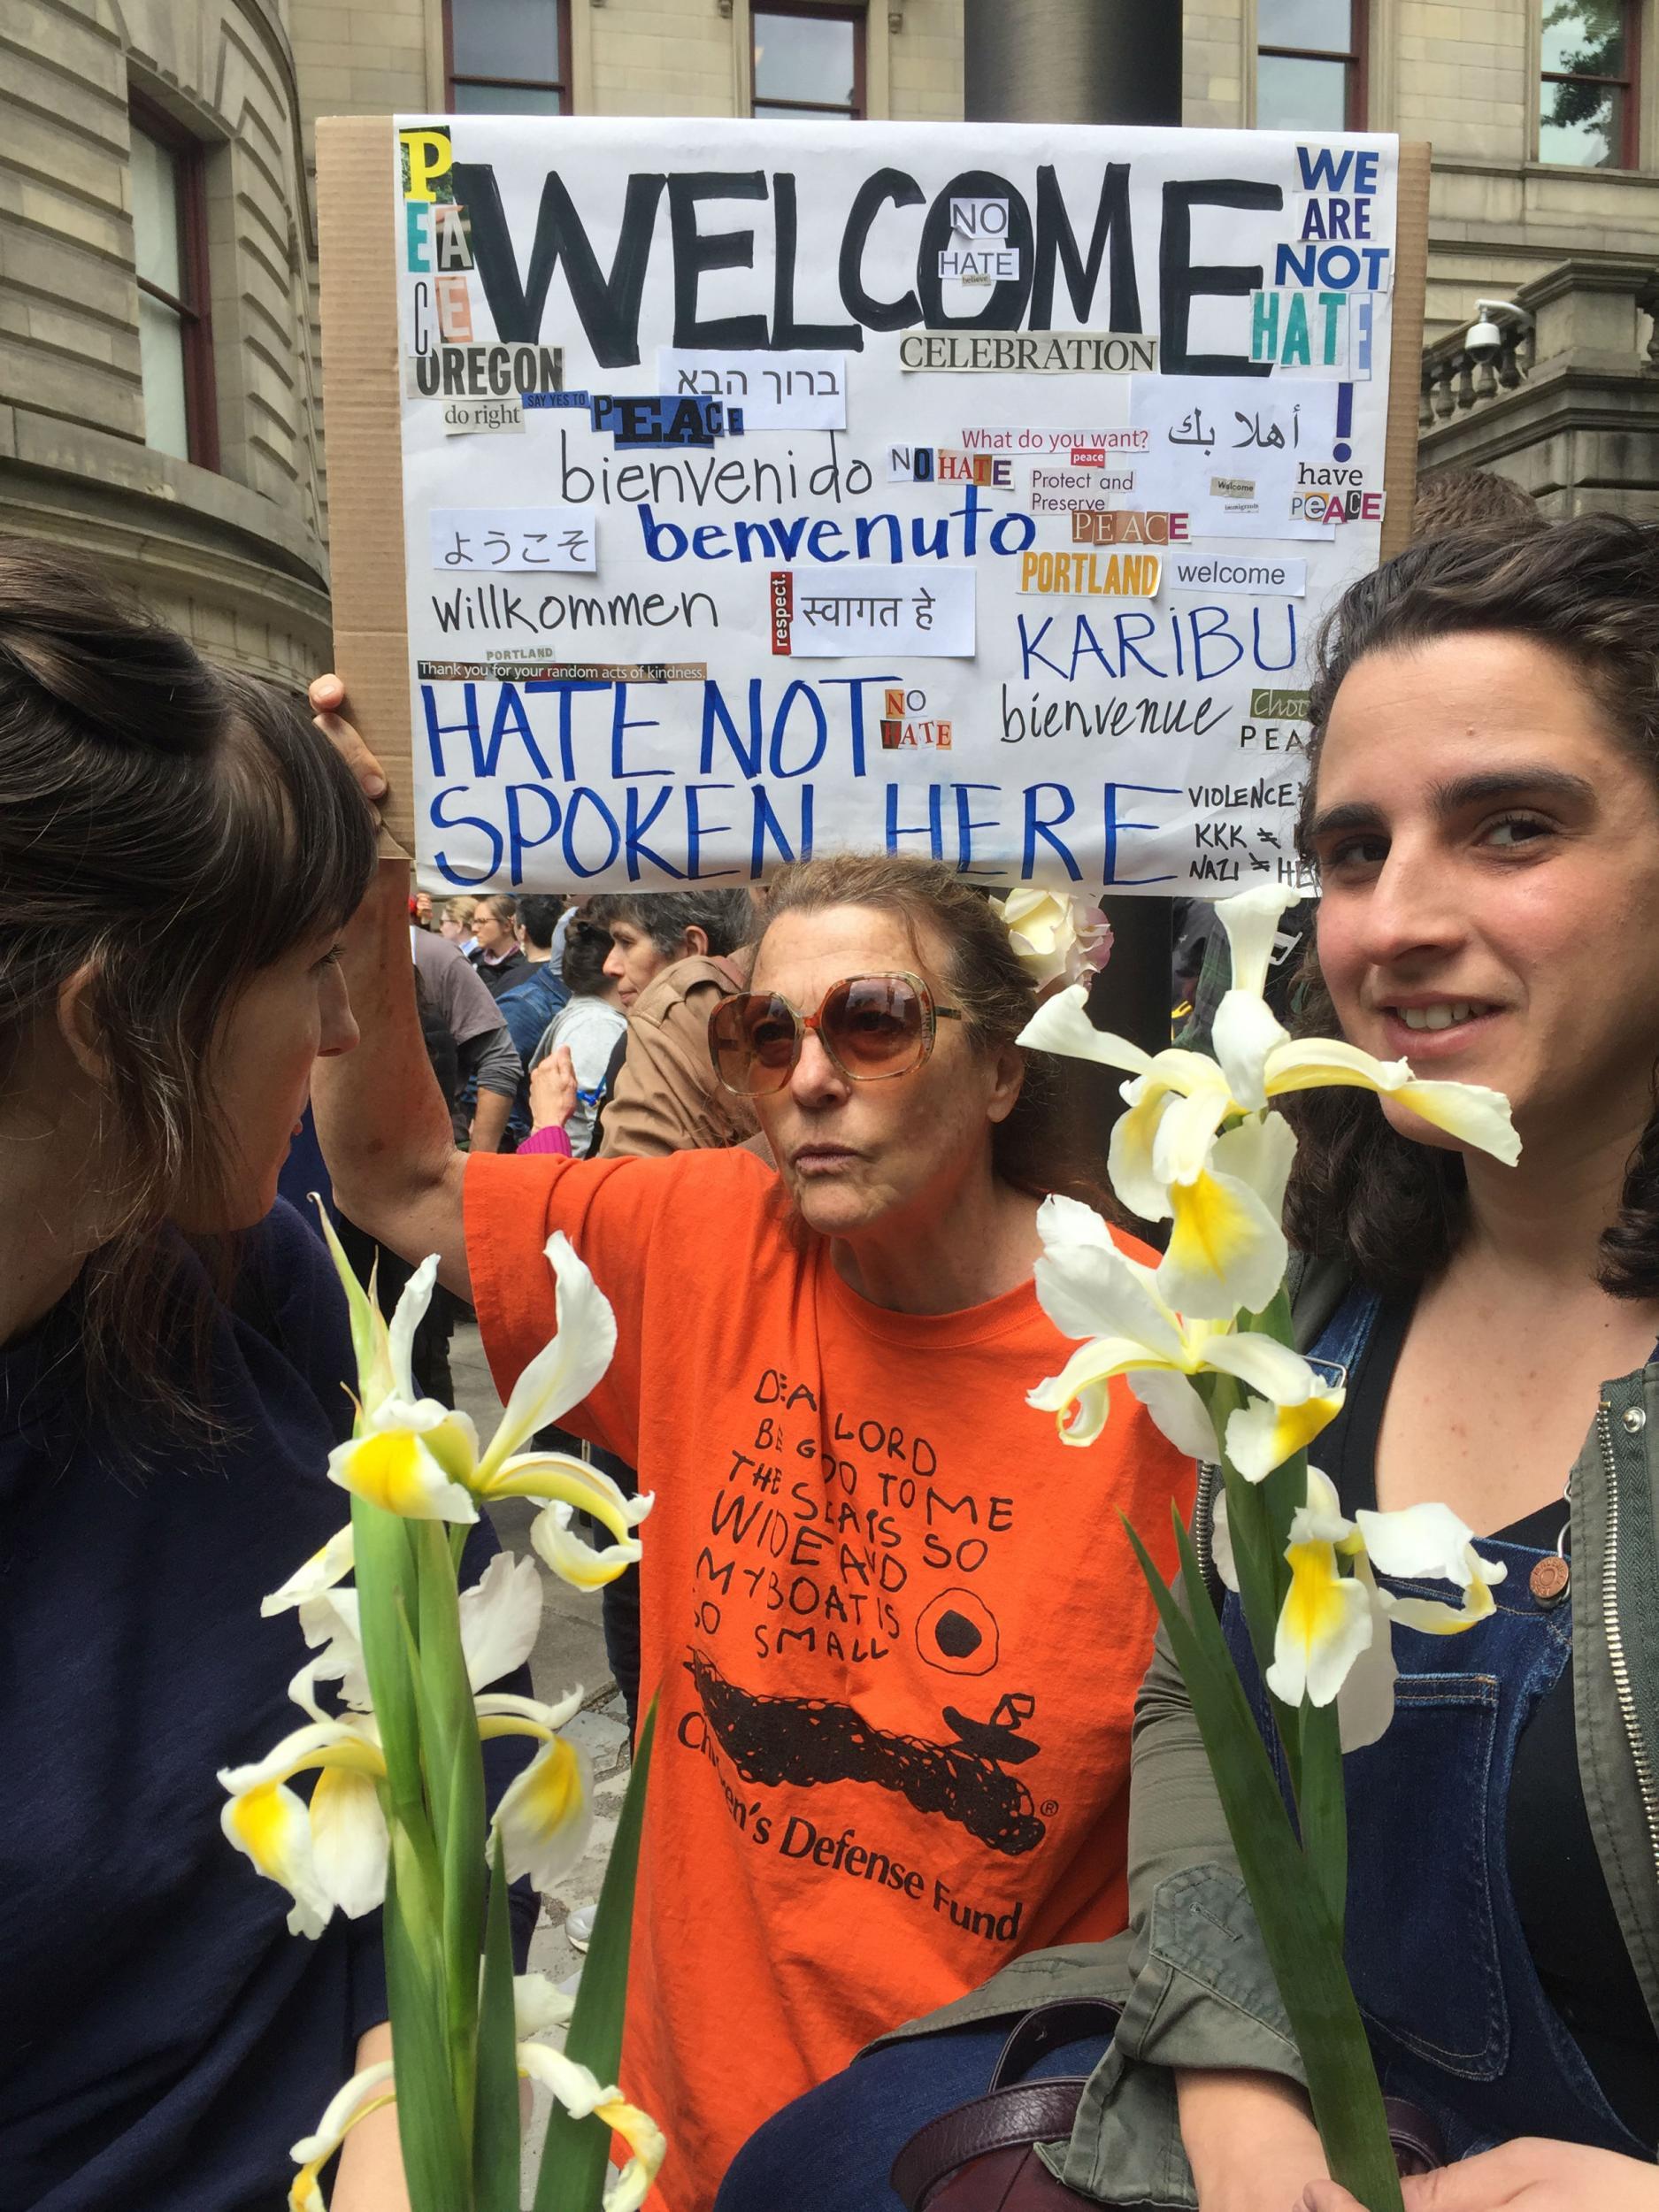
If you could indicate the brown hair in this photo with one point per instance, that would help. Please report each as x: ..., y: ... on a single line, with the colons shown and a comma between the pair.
x: 726, y: 918
x: 1041, y: 1148
x: 172, y: 830
x: 1587, y: 589
x: 582, y: 966
x: 1449, y: 500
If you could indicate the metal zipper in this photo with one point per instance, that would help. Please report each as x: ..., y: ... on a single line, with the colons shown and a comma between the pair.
x: 1615, y: 1640
x: 1203, y: 1518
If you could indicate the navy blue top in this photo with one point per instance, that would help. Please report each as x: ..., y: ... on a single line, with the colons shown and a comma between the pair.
x: 527, y: 1007
x: 166, y: 2040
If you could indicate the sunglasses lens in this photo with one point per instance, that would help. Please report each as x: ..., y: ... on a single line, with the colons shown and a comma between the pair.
x: 876, y: 1025
x: 754, y: 1040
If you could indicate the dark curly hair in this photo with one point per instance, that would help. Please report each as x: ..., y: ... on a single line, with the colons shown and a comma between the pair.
x: 726, y: 918
x: 1589, y: 591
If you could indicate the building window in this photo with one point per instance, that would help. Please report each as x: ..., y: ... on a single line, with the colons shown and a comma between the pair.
x: 175, y: 333
x: 1310, y: 65
x: 809, y: 60
x: 1586, y: 103
x: 508, y: 57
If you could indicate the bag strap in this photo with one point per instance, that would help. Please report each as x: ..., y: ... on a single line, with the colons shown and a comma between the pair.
x: 1014, y: 2113
x: 1046, y: 2027
x: 1031, y: 2112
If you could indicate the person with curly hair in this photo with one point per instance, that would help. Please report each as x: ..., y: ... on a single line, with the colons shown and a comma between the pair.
x: 1482, y: 808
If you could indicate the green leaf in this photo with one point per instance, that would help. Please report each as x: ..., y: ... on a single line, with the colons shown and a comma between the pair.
x: 496, y: 2130
x: 1285, y: 1490
x: 369, y: 1340
x: 1303, y: 1944
x: 1324, y: 1807
x: 414, y: 1847
x: 1260, y: 1596
x: 429, y: 2127
x: 454, y: 1765
x: 1251, y: 1534
x: 576, y: 2152
x: 385, y: 1564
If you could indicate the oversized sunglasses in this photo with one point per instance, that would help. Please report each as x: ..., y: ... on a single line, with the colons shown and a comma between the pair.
x: 871, y: 1028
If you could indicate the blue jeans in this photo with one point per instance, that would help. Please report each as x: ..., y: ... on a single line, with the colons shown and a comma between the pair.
x: 1459, y: 2023
x: 832, y: 2150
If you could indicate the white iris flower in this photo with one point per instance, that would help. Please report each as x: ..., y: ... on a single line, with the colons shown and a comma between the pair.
x: 1167, y: 1161
x: 415, y: 1457
x: 536, y: 2008
x: 1089, y: 1288
x: 1335, y: 1631
x: 330, y: 1854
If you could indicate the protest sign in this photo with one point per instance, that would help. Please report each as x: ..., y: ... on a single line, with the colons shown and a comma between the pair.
x: 964, y: 492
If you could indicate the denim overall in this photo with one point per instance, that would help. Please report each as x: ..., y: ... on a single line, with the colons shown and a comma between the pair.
x: 1459, y: 2023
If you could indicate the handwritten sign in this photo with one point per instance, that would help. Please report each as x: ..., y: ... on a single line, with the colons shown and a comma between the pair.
x: 877, y: 508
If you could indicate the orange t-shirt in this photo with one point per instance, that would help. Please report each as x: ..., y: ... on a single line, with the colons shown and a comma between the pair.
x: 895, y: 1624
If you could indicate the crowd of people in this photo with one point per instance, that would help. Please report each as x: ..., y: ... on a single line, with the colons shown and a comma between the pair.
x: 923, y: 1765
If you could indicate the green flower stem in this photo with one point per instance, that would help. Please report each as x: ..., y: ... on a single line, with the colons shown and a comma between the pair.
x: 435, y: 2163
x: 1257, y: 1546
x: 1303, y: 1944
x: 1286, y: 1489
x: 426, y: 2009
x: 1248, y: 1528
x: 386, y: 1585
x: 496, y: 2134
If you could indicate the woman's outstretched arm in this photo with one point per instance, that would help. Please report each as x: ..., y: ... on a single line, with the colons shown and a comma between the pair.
x: 381, y: 1116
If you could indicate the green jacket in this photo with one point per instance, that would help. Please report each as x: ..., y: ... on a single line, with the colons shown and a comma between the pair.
x: 1189, y: 1971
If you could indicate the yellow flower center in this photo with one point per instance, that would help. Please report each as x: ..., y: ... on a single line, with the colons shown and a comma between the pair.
x: 262, y: 1820
x: 1313, y: 1604
x: 553, y: 1791
x: 386, y: 1469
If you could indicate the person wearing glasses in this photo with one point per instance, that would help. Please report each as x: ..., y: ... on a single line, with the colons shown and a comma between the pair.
x: 893, y: 1625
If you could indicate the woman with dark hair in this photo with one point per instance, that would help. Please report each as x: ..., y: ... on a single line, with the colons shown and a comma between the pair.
x: 179, y: 852
x: 892, y: 1739
x: 1483, y: 810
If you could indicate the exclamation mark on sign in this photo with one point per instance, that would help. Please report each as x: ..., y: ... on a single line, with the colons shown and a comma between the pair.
x: 1341, y: 450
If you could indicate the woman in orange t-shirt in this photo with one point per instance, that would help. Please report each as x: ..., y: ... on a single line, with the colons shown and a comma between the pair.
x: 893, y: 1622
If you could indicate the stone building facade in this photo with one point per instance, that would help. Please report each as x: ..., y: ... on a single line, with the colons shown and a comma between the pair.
x: 1561, y: 222
x: 160, y: 384
x: 159, y: 379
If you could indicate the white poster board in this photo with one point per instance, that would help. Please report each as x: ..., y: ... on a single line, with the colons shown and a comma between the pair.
x: 971, y: 491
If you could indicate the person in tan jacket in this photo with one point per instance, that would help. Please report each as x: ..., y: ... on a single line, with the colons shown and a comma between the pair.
x: 674, y: 954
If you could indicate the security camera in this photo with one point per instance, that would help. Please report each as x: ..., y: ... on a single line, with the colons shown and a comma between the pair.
x: 1485, y: 338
